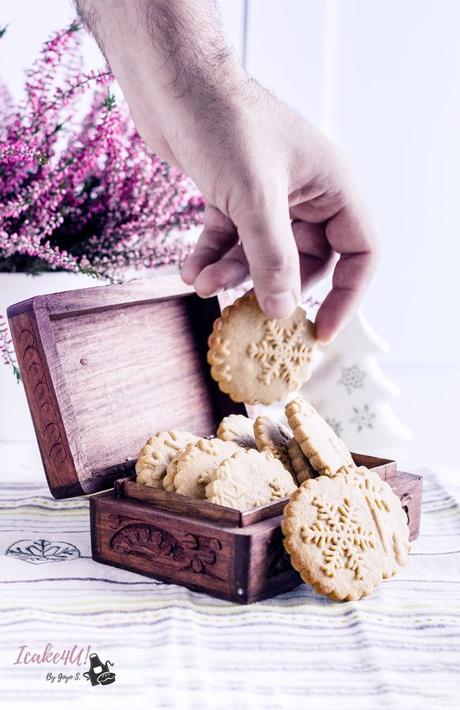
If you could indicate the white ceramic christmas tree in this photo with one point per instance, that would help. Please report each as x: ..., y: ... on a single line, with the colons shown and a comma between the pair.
x: 351, y: 391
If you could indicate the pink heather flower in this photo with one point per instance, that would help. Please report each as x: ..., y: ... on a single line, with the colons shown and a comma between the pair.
x: 79, y: 190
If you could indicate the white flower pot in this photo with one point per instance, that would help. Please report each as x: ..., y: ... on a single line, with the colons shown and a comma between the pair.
x: 15, y: 421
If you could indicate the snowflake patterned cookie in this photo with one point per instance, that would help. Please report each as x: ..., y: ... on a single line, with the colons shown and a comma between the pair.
x: 303, y: 470
x: 249, y: 479
x: 194, y: 465
x: 332, y: 538
x: 238, y: 428
x: 256, y: 359
x: 388, y: 515
x: 318, y: 441
x: 273, y: 438
x: 157, y: 453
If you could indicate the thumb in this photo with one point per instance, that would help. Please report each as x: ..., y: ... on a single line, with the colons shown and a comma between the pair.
x: 272, y: 254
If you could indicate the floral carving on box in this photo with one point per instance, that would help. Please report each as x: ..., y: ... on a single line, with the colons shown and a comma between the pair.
x: 185, y: 552
x: 46, y: 419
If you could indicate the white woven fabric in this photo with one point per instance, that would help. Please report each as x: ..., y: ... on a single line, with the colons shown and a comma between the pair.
x: 174, y: 648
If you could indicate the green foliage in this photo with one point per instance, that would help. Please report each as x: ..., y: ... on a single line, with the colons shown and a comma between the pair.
x: 89, y: 271
x: 110, y: 102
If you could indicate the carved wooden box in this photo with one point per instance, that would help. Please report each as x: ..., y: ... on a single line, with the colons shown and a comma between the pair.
x: 104, y: 368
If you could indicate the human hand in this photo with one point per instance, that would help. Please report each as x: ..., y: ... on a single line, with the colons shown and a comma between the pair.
x: 282, y: 207
x: 281, y: 203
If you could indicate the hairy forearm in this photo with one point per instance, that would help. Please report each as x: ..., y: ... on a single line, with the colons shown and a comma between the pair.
x: 167, y: 55
x: 258, y: 164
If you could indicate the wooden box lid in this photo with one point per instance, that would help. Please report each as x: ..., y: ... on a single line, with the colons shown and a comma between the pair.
x: 104, y: 368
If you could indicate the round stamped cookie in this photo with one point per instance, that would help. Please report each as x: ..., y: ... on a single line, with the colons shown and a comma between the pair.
x: 157, y: 453
x: 318, y: 441
x: 388, y: 515
x: 249, y: 479
x: 238, y: 428
x: 256, y: 359
x: 273, y: 438
x: 303, y: 470
x: 332, y: 538
x: 196, y: 462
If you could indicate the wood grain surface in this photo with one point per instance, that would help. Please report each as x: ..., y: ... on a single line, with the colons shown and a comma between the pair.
x: 123, y: 362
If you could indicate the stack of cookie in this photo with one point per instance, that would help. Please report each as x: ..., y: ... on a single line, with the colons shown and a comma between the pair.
x: 245, y: 466
x: 344, y: 528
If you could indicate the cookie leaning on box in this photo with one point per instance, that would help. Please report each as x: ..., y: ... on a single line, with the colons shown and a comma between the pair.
x: 345, y: 534
x: 331, y: 538
x: 256, y: 359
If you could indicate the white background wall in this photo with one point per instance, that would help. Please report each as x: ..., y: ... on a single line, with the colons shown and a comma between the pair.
x: 382, y: 79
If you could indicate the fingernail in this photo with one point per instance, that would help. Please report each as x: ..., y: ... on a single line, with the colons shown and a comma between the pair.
x: 280, y: 305
x: 205, y: 294
x: 186, y: 277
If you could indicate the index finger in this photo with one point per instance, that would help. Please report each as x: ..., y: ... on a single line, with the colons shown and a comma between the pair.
x: 352, y: 235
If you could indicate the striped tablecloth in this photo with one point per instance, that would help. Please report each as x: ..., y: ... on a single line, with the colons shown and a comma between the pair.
x: 174, y: 648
